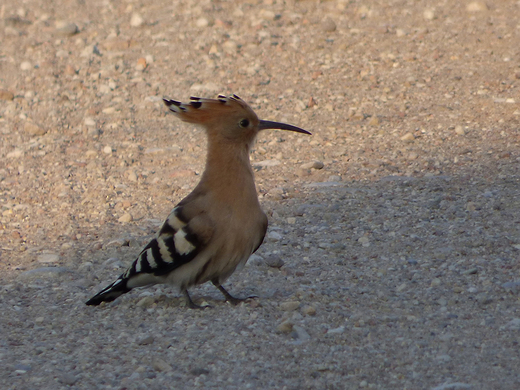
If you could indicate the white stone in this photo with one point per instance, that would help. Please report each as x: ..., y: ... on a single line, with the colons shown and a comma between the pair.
x: 364, y: 241
x: 289, y: 306
x: 230, y: 47
x: 125, y: 218
x: 429, y: 14
x: 408, y: 137
x: 476, y: 6
x: 109, y: 110
x: 17, y: 153
x: 202, y: 22
x: 266, y: 163
x: 26, y: 65
x: 267, y: 14
x: 338, y: 330
x: 48, y: 258
x: 274, y: 236
x: 459, y: 130
x: 313, y: 165
x: 136, y: 20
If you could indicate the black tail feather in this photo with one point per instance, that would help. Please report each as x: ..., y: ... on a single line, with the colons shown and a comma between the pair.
x: 110, y: 293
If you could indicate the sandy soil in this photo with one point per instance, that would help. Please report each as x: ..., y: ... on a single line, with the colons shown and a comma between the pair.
x: 391, y: 260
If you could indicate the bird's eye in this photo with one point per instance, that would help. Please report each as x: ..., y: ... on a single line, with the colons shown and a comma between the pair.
x: 243, y: 123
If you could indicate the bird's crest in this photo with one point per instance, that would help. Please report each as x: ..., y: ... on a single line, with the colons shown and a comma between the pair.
x: 202, y: 110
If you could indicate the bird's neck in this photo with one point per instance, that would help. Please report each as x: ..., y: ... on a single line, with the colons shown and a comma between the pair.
x: 228, y: 166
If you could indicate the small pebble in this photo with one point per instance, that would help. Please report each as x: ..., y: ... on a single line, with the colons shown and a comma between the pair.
x: 300, y: 333
x: 136, y: 20
x: 26, y: 65
x: 6, y: 95
x: 48, y: 258
x: 125, y: 218
x: 132, y: 176
x: 33, y: 129
x: 328, y: 25
x: 514, y: 324
x: 289, y: 306
x: 412, y: 156
x: 274, y: 236
x: 374, y: 121
x: 471, y: 271
x: 146, y: 340
x: 159, y: 364
x: 400, y: 33
x: 230, y: 47
x: 70, y: 70
x: 364, y: 240
x: 91, y: 153
x: 267, y: 14
x: 338, y: 330
x: 255, y: 260
x: 198, y: 371
x: 202, y: 22
x: 274, y: 261
x: 107, y: 150
x: 266, y: 163
x: 66, y: 28
x: 477, y: 6
x: 313, y: 165
x: 471, y: 206
x: 429, y: 14
x: 89, y: 122
x: 513, y: 287
x: 309, y: 311
x: 459, y: 130
x: 483, y: 298
x: 17, y: 153
x: 408, y: 137
x: 43, y: 272
x: 285, y: 327
x: 67, y: 379
x: 146, y: 302
x: 141, y: 64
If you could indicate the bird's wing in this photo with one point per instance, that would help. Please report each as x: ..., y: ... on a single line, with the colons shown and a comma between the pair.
x: 184, y: 234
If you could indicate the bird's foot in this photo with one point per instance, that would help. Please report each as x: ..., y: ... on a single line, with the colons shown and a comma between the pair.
x: 236, y: 301
x: 191, y: 304
x: 231, y: 299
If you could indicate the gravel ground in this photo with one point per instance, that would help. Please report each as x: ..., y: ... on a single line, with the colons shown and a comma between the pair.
x: 391, y: 260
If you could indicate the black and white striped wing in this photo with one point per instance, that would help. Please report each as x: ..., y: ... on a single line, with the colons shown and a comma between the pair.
x: 176, y: 244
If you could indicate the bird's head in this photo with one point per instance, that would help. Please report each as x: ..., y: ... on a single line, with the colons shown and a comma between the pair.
x: 227, y: 118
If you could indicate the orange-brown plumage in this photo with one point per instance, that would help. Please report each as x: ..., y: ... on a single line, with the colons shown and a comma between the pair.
x: 213, y: 231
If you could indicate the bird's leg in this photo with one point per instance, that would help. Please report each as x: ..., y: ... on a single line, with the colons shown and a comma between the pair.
x: 190, y: 303
x: 229, y: 297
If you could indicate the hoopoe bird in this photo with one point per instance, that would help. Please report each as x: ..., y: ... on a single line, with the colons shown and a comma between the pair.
x: 214, y: 230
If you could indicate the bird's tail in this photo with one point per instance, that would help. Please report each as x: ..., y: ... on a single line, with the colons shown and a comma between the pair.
x: 111, y: 292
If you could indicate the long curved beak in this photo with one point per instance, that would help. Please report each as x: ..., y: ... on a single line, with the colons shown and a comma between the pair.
x: 264, y: 125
